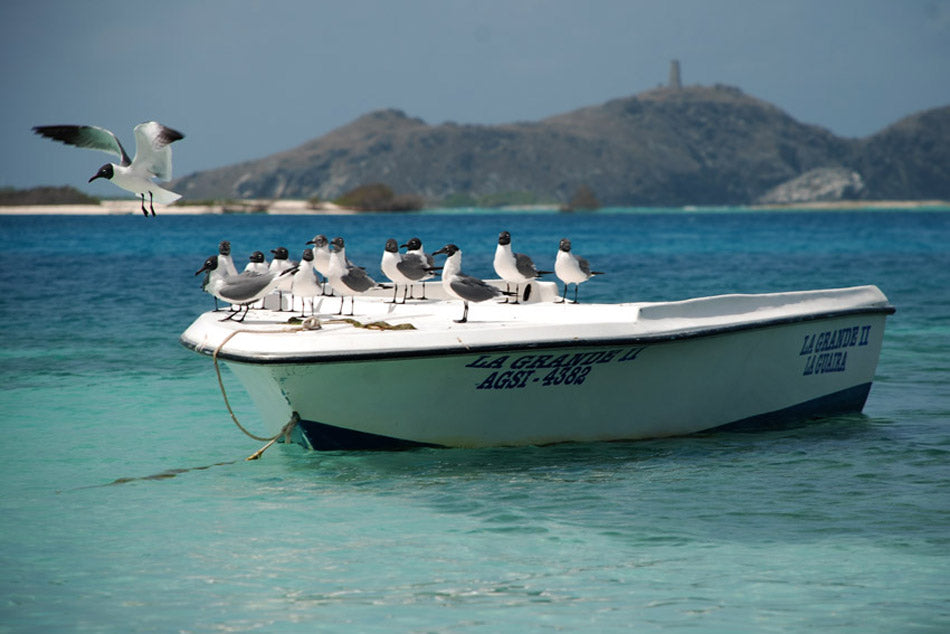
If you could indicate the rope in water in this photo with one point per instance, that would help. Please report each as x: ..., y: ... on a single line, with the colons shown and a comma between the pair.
x: 308, y: 324
x: 224, y: 393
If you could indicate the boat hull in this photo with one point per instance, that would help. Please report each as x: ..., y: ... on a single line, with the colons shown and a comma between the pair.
x: 627, y: 388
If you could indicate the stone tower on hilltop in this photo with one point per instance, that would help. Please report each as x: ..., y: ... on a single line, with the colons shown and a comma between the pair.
x: 675, y: 82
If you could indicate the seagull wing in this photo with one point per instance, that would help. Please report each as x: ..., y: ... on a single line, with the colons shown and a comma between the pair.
x: 473, y: 289
x: 584, y: 265
x: 525, y: 265
x: 246, y: 287
x: 413, y: 266
x: 87, y: 136
x: 152, y: 154
x: 357, y: 279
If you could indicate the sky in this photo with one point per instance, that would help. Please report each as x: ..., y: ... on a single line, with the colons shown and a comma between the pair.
x: 243, y: 79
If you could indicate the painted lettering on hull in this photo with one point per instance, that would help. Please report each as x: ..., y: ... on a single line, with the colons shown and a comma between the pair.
x: 827, y: 350
x: 545, y: 370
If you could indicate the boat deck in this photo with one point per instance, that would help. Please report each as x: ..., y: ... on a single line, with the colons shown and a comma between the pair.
x: 381, y: 328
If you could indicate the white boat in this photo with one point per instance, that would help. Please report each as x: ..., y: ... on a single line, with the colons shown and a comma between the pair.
x: 543, y: 372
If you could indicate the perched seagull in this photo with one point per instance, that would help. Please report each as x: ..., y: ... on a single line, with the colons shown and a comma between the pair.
x: 514, y: 268
x: 571, y: 269
x: 278, y: 264
x: 243, y: 289
x: 256, y: 264
x: 224, y: 258
x: 345, y: 277
x: 464, y: 287
x: 219, y: 272
x: 414, y: 247
x: 321, y: 256
x: 153, y: 157
x: 304, y: 281
x: 403, y: 268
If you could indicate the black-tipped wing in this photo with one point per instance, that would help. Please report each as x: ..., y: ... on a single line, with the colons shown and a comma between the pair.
x: 413, y: 266
x: 473, y: 289
x: 357, y: 280
x: 152, y: 153
x: 245, y: 287
x: 584, y: 265
x: 86, y: 136
x: 525, y: 265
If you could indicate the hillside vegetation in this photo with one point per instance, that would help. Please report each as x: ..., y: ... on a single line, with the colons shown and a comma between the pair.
x: 689, y: 146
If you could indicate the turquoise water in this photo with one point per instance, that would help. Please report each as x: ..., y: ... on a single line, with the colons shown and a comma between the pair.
x: 839, y: 525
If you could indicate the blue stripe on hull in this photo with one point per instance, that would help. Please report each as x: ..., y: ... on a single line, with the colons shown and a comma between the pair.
x: 323, y: 437
x: 847, y: 401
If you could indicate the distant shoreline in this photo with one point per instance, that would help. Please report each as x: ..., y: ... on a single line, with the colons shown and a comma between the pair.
x: 134, y: 207
x: 303, y: 207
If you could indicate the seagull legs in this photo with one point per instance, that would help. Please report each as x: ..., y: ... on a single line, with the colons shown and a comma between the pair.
x: 343, y: 302
x: 234, y: 314
x: 464, y: 314
x: 564, y: 300
x: 151, y: 205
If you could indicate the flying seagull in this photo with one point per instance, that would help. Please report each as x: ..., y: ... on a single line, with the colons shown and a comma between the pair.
x: 153, y: 157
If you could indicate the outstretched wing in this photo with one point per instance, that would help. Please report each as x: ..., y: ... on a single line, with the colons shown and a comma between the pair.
x: 152, y: 153
x: 87, y: 136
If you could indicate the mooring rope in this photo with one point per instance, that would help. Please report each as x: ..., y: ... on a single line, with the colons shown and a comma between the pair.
x: 310, y: 323
x: 224, y: 392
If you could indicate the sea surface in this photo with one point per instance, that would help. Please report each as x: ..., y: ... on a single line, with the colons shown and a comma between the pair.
x: 126, y: 504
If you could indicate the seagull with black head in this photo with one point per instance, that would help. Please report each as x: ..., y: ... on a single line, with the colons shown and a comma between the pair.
x: 346, y: 278
x: 153, y: 157
x: 464, y: 287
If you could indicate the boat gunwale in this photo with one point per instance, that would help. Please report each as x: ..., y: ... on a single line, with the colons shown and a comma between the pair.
x: 587, y: 342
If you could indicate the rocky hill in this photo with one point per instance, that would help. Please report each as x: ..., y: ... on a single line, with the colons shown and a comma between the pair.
x: 692, y: 145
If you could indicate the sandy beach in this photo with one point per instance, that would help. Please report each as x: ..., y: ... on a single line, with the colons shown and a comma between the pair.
x: 303, y: 207
x: 134, y: 207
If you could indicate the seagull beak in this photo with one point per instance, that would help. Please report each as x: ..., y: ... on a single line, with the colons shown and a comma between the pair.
x: 94, y: 178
